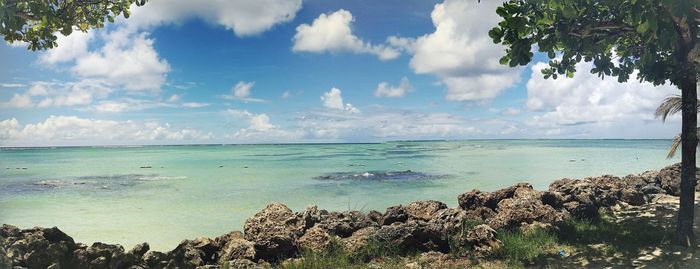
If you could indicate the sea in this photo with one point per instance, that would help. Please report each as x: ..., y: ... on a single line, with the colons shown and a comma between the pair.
x: 165, y: 194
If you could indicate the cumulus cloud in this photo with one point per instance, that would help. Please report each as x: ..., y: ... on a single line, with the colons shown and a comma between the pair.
x: 242, y: 92
x: 59, y: 94
x: 388, y: 91
x: 243, y: 17
x: 72, y: 130
x: 258, y: 129
x: 195, y: 105
x: 587, y: 104
x: 333, y: 99
x: 460, y: 53
x: 333, y: 33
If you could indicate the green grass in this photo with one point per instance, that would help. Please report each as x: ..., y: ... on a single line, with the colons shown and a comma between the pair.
x: 337, y: 257
x: 628, y: 237
x: 518, y: 247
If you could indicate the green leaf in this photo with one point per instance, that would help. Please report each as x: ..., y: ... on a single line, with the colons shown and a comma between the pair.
x: 643, y: 27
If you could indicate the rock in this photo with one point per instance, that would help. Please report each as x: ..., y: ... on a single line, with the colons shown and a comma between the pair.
x: 154, y: 259
x: 582, y: 211
x: 476, y: 198
x: 652, y: 189
x: 243, y: 264
x: 413, y: 236
x: 483, y: 239
x: 375, y: 216
x: 343, y: 224
x: 450, y: 219
x: 359, y: 239
x: 36, y: 248
x: 525, y: 207
x: 274, y: 232
x: 424, y: 210
x: 553, y: 199
x: 481, y: 213
x: 315, y: 239
x: 632, y: 196
x: 234, y: 246
x: 473, y: 199
x: 394, y: 214
x: 669, y: 179
x: 194, y: 253
x: 311, y: 216
x: 140, y: 249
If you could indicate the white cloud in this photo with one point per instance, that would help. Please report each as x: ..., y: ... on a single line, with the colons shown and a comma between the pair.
x: 511, y: 111
x: 58, y: 94
x: 588, y: 105
x: 259, y: 129
x: 71, y: 130
x: 286, y: 94
x: 460, y: 52
x: 242, y: 89
x: 386, y: 90
x: 242, y: 92
x: 334, y: 99
x: 243, y: 17
x: 333, y: 33
x: 194, y: 105
x: 127, y: 59
x: 173, y: 98
x: 19, y: 101
x: 69, y: 48
x: 12, y: 85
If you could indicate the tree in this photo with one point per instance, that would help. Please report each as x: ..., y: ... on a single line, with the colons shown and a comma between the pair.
x: 38, y: 21
x: 671, y: 105
x: 654, y: 40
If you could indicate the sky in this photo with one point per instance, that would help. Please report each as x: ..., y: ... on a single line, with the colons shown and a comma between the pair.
x: 313, y: 71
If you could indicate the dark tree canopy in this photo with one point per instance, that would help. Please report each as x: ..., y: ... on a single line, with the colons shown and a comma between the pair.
x: 618, y: 36
x: 658, y: 39
x: 38, y: 21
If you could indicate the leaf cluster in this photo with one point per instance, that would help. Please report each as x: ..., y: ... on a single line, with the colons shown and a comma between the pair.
x: 37, y: 22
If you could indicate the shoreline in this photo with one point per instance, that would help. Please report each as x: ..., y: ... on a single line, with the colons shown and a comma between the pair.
x: 276, y: 234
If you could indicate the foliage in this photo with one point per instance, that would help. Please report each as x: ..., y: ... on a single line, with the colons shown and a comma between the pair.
x: 654, y: 37
x: 38, y: 22
x: 336, y: 257
x: 671, y: 105
x: 525, y: 246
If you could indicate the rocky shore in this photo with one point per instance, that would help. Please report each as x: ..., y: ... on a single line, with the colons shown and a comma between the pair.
x: 277, y: 235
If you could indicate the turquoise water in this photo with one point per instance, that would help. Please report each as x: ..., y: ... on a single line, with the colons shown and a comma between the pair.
x: 110, y: 195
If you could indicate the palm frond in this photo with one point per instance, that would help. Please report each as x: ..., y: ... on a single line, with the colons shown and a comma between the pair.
x: 677, y: 142
x: 669, y: 106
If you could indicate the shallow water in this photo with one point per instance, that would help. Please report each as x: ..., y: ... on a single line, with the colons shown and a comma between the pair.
x: 163, y: 194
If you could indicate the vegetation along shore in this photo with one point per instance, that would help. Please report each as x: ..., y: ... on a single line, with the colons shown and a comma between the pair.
x: 604, y: 221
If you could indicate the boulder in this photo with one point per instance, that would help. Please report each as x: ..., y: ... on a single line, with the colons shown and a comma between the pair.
x: 187, y: 255
x: 553, y: 199
x: 483, y: 239
x: 632, y: 196
x: 359, y: 239
x: 525, y: 207
x: 36, y: 247
x: 311, y: 216
x: 343, y: 224
x: 473, y: 199
x: 234, y: 246
x: 450, y: 219
x: 375, y: 216
x: 424, y: 210
x: 316, y: 239
x: 394, y: 214
x: 413, y: 236
x: 669, y: 179
x: 243, y: 264
x: 274, y: 232
x: 582, y: 211
x: 154, y: 259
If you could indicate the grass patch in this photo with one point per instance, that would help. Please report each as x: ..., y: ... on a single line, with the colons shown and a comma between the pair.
x: 628, y: 237
x: 336, y: 257
x: 458, y: 248
x: 518, y: 247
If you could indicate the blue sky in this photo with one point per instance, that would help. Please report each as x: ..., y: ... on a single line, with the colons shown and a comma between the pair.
x: 284, y: 71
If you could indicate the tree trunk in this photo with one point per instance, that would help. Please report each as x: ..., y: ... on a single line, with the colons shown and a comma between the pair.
x: 684, y: 231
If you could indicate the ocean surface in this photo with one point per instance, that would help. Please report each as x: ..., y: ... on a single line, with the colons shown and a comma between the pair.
x: 164, y: 194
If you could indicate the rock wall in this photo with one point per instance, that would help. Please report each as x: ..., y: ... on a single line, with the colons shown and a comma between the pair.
x: 277, y: 233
